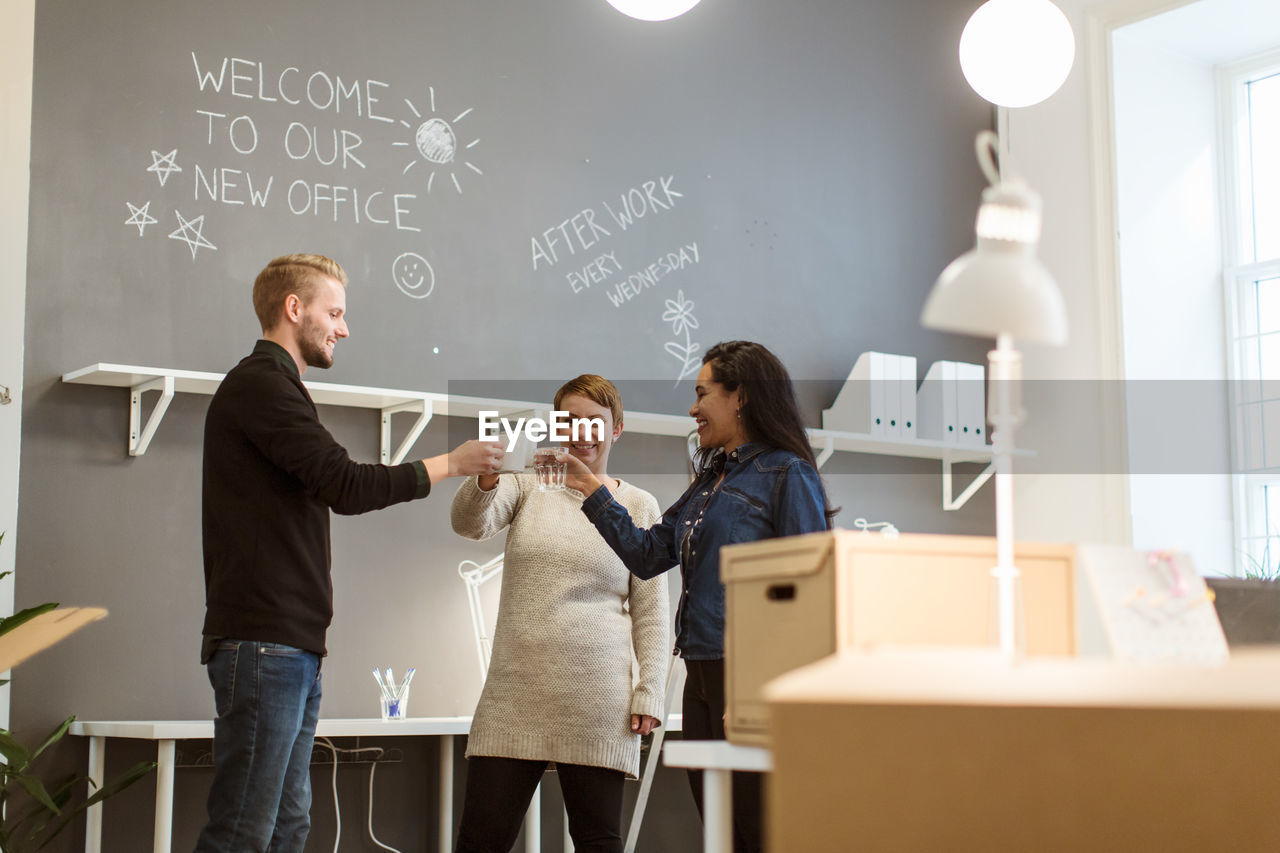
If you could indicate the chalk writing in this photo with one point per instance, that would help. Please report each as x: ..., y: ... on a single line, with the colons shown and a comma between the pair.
x: 584, y: 229
x: 649, y: 197
x: 223, y: 184
x: 641, y: 280
x: 304, y: 141
x: 586, y: 233
x: 319, y: 89
x: 237, y: 140
x: 581, y: 236
x: 594, y: 272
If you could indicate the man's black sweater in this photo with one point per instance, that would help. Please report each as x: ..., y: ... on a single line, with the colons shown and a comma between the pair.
x: 272, y: 473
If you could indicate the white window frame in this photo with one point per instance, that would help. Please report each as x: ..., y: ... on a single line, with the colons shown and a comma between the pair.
x: 1240, y: 272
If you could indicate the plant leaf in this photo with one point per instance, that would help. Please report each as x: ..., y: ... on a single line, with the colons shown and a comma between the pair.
x: 8, y: 623
x: 15, y: 755
x: 54, y: 736
x: 677, y: 349
x: 115, y: 786
x: 35, y: 788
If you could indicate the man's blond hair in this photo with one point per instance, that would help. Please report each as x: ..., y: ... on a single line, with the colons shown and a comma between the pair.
x: 297, y: 274
x: 595, y: 388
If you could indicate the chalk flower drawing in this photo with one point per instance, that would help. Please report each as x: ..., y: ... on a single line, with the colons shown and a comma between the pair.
x: 436, y: 142
x: 680, y: 315
x: 191, y: 232
x: 163, y: 165
x: 140, y: 217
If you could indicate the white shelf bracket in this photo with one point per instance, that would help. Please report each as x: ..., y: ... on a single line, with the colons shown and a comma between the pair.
x: 950, y: 504
x: 828, y: 448
x: 424, y: 410
x: 140, y: 435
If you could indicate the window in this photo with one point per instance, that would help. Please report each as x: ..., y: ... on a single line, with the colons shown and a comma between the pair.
x: 1250, y: 107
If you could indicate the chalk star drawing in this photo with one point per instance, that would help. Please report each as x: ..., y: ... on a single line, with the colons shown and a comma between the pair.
x: 191, y: 232
x: 140, y: 217
x: 436, y: 141
x: 163, y: 165
x: 413, y: 275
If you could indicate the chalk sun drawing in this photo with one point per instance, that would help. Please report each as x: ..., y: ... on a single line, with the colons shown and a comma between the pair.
x: 413, y: 275
x: 164, y: 165
x: 140, y: 217
x: 437, y: 143
x: 191, y: 232
x: 679, y: 314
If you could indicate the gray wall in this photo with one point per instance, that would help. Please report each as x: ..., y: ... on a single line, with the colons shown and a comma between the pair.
x: 823, y: 150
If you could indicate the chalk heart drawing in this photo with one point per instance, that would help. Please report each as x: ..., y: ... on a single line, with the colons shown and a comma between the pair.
x: 436, y: 142
x: 413, y: 275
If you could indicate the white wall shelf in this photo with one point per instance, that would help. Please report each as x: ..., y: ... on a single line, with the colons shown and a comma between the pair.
x: 426, y: 404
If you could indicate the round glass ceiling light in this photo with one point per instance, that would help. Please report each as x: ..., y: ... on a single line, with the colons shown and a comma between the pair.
x: 653, y: 10
x: 1016, y: 53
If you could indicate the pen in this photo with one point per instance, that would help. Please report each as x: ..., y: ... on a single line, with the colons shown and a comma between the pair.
x: 386, y: 692
x: 404, y: 685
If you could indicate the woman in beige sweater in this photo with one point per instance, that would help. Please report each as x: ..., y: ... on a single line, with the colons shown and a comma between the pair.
x: 562, y: 685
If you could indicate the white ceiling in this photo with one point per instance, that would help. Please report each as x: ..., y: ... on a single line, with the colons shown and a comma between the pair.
x: 1214, y: 31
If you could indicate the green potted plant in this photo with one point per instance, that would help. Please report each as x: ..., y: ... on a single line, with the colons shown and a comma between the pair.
x: 1249, y: 606
x: 33, y: 810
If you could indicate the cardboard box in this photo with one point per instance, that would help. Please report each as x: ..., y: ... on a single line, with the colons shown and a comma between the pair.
x: 950, y: 750
x: 791, y: 601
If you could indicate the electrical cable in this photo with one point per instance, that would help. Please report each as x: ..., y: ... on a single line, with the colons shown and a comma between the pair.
x: 337, y: 812
x: 373, y: 767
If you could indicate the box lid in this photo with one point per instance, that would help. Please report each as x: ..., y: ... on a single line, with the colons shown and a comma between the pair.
x: 982, y: 677
x: 787, y: 556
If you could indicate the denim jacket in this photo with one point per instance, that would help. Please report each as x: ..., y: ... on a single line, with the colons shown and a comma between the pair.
x: 765, y: 493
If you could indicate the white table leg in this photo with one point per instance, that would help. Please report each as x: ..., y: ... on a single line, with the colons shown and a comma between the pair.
x: 446, y: 794
x: 165, y: 753
x: 533, y: 823
x: 717, y: 811
x: 97, y: 772
x: 566, y: 844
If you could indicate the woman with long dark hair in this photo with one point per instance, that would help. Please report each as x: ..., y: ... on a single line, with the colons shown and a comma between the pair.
x: 755, y: 479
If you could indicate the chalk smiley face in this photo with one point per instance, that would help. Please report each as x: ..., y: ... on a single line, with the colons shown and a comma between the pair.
x: 413, y: 275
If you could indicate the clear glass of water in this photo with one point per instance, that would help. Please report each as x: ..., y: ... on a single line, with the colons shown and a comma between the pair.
x: 549, y: 468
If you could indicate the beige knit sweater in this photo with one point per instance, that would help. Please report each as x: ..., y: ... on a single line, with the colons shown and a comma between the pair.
x: 563, y: 680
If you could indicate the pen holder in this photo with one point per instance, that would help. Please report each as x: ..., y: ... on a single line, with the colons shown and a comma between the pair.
x: 395, y: 708
x: 393, y: 698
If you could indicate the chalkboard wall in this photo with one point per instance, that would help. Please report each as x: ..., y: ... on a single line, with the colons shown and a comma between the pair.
x: 520, y: 192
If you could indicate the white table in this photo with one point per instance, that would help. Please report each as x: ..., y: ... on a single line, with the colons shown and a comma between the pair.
x: 717, y: 759
x: 166, y: 733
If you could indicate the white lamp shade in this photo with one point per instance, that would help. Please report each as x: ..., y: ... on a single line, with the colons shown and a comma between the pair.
x: 1016, y: 53
x: 998, y: 288
x: 653, y: 10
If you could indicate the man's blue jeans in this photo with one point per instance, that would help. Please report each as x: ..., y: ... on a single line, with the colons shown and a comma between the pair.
x: 268, y: 700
